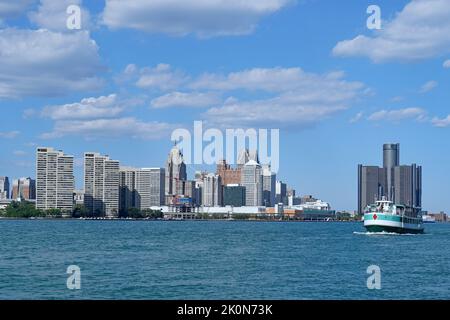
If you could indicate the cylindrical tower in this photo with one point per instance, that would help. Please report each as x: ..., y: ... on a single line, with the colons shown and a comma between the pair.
x: 391, y: 159
x: 391, y: 155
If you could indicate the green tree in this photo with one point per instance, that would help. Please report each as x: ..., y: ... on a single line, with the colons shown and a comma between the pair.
x: 22, y: 209
x: 135, y: 213
x: 80, y: 211
x: 56, y: 213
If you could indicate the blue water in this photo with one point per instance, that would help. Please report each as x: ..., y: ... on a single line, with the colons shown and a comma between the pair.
x: 219, y: 260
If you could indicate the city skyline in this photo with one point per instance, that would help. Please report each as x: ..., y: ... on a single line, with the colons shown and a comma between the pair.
x: 296, y: 65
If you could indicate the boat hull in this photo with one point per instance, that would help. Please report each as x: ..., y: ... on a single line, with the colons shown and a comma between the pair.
x: 392, y: 224
x: 389, y: 229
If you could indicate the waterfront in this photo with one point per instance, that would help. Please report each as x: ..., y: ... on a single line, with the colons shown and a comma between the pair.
x: 219, y: 260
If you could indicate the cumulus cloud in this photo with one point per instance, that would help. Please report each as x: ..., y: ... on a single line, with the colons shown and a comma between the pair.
x: 101, y: 117
x: 88, y: 108
x: 46, y: 63
x: 273, y: 96
x: 128, y: 127
x: 441, y: 123
x: 287, y: 111
x: 52, y: 15
x: 299, y: 98
x: 447, y: 64
x: 185, y: 99
x: 10, y: 9
x: 427, y: 87
x: 398, y: 114
x: 161, y: 77
x: 179, y: 17
x: 421, y: 30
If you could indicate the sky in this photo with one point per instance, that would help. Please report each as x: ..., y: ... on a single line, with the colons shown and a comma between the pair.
x: 137, y: 70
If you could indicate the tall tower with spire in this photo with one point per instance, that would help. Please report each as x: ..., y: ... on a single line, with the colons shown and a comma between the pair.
x: 175, y: 172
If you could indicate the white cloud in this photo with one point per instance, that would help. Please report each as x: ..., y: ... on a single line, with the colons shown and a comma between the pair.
x: 162, y: 77
x: 88, y: 108
x: 127, y: 127
x: 427, y: 87
x: 46, y: 63
x: 288, y: 111
x: 273, y: 96
x: 180, y: 17
x: 421, y: 30
x: 357, y: 117
x: 268, y: 79
x: 298, y: 98
x: 441, y: 123
x: 446, y: 64
x: 9, y: 134
x: 12, y: 8
x: 52, y: 15
x: 101, y: 117
x: 183, y: 99
x: 398, y: 114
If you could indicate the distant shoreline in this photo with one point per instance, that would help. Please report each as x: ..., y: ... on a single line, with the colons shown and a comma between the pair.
x: 170, y: 220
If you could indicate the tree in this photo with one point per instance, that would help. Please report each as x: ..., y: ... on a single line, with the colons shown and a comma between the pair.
x: 135, y: 213
x: 56, y: 213
x: 80, y: 211
x: 22, y: 209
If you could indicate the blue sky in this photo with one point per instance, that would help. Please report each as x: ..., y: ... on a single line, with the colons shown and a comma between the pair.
x: 336, y: 90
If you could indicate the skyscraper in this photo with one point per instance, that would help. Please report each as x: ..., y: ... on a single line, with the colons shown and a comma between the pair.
x: 55, y: 180
x: 269, y: 187
x: 24, y: 188
x: 252, y: 180
x: 101, y: 185
x: 175, y: 172
x: 281, y: 193
x: 234, y: 195
x: 141, y: 188
x: 212, y: 191
x: 150, y: 187
x: 228, y: 174
x: 4, y: 188
x: 398, y: 183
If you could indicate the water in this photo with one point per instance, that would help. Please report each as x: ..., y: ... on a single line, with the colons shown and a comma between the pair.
x: 219, y: 260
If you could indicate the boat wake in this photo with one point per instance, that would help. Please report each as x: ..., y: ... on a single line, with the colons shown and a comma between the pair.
x: 383, y: 233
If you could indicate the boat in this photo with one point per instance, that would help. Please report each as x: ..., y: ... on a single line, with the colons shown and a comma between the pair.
x: 429, y: 219
x: 385, y: 216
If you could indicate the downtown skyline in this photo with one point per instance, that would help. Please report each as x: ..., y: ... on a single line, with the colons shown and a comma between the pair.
x: 287, y: 65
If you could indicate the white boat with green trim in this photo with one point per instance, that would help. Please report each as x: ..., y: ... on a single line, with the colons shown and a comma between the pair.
x: 385, y: 216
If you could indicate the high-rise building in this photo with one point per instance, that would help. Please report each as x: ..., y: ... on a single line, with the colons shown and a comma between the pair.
x: 234, y: 195
x: 141, y: 188
x: 4, y: 188
x: 175, y: 172
x: 269, y: 187
x: 281, y: 193
x: 252, y: 180
x: 24, y: 189
x: 398, y: 183
x: 189, y: 190
x: 54, y: 180
x: 101, y: 185
x: 150, y: 187
x: 127, y: 189
x: 228, y: 174
x: 199, y: 177
x: 212, y: 191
